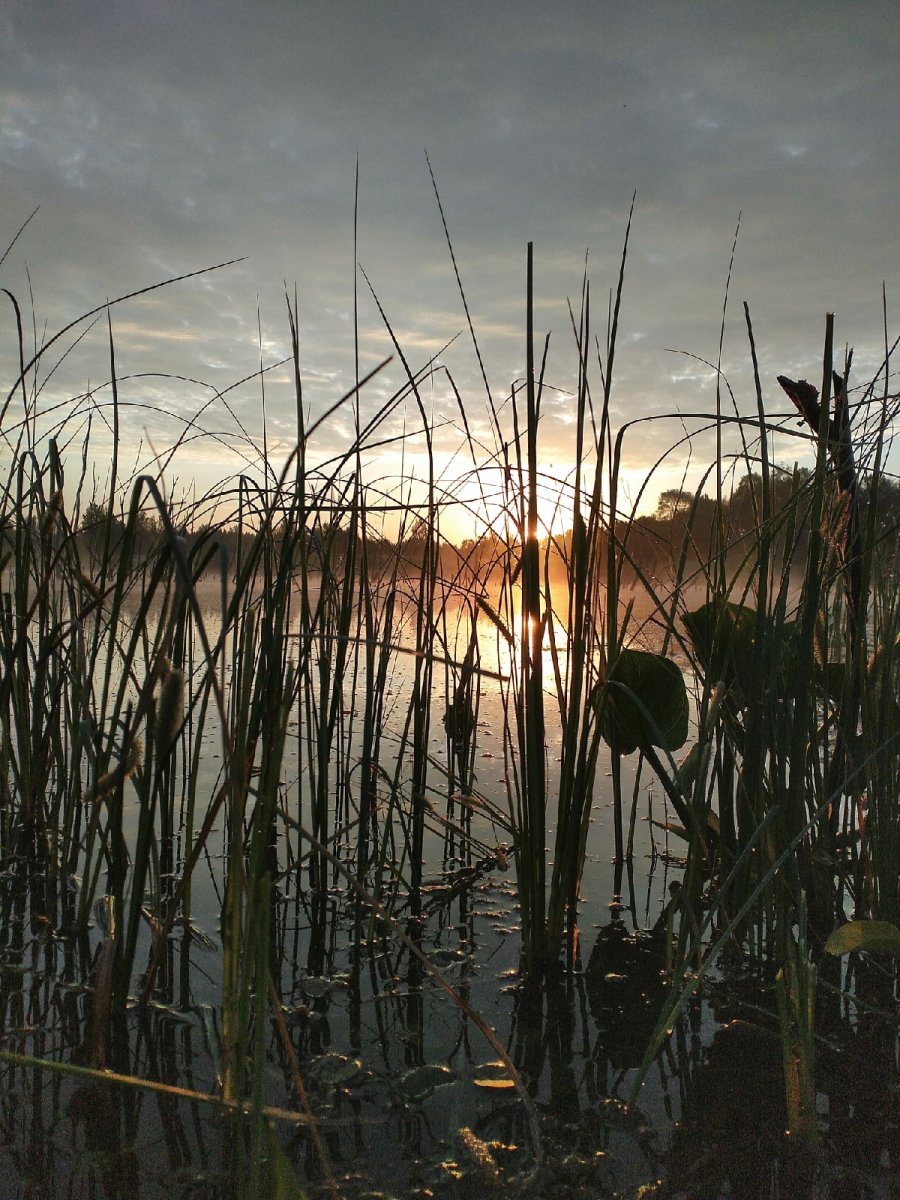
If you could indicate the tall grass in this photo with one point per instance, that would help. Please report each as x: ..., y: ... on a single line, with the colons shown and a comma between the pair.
x: 118, y: 685
x: 791, y: 754
x: 336, y: 648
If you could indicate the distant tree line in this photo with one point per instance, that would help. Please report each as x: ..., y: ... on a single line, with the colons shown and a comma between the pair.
x: 691, y: 524
x: 683, y: 524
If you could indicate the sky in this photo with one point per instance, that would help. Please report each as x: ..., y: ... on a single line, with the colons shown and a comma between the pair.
x: 157, y: 138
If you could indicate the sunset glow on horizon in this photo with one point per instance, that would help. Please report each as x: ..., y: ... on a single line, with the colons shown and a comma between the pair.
x: 290, y: 145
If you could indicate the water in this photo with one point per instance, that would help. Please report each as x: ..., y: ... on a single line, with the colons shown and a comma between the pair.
x: 407, y: 1094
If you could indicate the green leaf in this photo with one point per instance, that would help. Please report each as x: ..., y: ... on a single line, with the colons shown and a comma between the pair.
x: 646, y: 703
x: 879, y: 937
x: 283, y: 1182
x: 723, y: 635
x: 744, y: 650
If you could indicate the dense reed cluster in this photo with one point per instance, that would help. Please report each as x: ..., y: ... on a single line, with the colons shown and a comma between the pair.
x: 274, y: 715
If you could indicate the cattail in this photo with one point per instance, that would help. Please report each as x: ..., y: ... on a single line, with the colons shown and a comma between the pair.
x: 123, y: 770
x: 52, y: 514
x: 169, y: 711
x: 89, y: 586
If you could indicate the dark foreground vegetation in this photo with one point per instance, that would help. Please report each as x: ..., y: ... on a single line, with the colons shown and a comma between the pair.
x: 250, y: 857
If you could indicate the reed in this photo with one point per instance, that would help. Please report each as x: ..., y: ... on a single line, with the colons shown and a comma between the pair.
x: 338, y: 646
x: 781, y: 655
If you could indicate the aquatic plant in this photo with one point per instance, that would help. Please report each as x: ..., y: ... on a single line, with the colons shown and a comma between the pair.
x: 260, y: 732
x: 791, y: 754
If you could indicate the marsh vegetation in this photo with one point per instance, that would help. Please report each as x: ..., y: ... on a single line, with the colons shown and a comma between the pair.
x: 308, y: 817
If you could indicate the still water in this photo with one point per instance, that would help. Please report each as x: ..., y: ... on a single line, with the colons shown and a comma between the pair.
x: 407, y: 1093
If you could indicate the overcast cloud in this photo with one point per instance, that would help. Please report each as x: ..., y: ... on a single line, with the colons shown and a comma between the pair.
x: 159, y: 137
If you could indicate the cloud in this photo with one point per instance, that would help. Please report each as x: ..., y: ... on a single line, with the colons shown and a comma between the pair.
x: 161, y: 138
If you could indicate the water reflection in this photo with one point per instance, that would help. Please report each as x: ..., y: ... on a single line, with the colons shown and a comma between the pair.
x: 395, y: 1073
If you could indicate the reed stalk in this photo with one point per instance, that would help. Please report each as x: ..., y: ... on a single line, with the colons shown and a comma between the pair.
x: 340, y: 642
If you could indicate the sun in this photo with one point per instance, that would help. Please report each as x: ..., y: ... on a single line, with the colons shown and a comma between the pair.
x: 493, y: 502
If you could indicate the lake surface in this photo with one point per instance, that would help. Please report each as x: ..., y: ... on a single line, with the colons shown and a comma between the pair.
x: 407, y: 1093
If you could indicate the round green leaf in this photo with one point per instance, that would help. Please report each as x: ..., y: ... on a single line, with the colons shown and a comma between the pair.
x: 646, y: 703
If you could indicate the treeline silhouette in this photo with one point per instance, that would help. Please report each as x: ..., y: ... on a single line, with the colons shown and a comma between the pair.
x: 684, y: 525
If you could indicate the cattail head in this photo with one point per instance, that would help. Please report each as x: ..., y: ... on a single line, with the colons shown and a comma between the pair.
x: 169, y: 711
x: 124, y: 769
x: 133, y: 757
x: 52, y: 514
x: 89, y: 586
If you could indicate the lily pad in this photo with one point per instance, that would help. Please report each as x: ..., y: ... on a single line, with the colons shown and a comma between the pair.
x: 335, y: 1070
x: 492, y: 1076
x: 315, y: 986
x: 446, y: 957
x: 878, y: 937
x: 420, y: 1082
x: 646, y: 703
